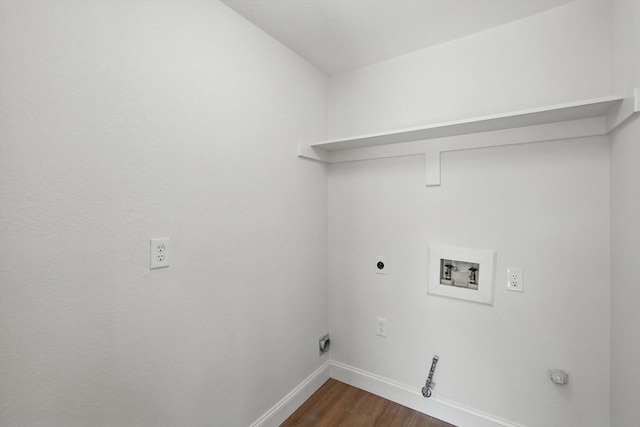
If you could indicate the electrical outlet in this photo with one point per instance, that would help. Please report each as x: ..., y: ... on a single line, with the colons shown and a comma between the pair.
x: 159, y: 253
x: 515, y: 279
x: 381, y: 265
x: 381, y: 326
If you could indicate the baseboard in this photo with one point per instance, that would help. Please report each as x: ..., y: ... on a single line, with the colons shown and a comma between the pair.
x: 406, y: 396
x: 383, y: 387
x: 292, y: 401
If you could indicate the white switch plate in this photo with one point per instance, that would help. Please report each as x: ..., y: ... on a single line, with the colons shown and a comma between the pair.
x: 381, y: 265
x: 515, y: 279
x: 159, y: 253
x: 381, y: 326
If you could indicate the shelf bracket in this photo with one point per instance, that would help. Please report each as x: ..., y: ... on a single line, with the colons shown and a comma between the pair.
x: 432, y: 168
x: 308, y: 152
x: 628, y: 107
x: 596, y: 117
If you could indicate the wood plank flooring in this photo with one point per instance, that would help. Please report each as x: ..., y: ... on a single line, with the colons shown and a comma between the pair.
x: 338, y: 404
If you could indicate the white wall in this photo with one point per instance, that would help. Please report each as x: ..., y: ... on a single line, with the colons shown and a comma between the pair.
x: 124, y: 121
x: 543, y: 207
x: 557, y: 56
x: 549, y: 217
x: 625, y: 211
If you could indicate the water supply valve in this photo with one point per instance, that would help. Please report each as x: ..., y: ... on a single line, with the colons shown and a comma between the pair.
x: 426, y: 390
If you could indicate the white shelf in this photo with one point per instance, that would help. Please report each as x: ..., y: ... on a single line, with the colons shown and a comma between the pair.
x: 577, y: 119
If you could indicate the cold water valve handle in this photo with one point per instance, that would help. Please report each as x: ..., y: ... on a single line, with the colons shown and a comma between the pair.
x: 426, y: 390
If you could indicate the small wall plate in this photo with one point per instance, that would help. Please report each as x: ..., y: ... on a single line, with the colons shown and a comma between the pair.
x: 381, y: 265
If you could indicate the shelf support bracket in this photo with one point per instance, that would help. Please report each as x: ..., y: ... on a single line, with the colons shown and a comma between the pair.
x: 626, y: 109
x: 432, y: 168
x: 597, y: 117
x: 307, y: 152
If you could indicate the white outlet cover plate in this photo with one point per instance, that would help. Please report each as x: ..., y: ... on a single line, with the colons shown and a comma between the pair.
x: 159, y: 253
x: 381, y: 326
x: 515, y: 279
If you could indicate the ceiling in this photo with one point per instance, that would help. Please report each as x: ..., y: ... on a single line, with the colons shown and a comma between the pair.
x: 338, y: 35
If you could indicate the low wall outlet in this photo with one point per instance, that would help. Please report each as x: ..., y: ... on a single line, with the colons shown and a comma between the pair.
x: 159, y: 253
x: 381, y: 265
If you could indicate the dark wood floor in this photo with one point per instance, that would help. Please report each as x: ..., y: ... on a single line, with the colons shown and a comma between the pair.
x: 338, y: 404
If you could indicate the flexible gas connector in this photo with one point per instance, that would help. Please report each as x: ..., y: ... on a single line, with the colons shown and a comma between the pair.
x: 426, y: 390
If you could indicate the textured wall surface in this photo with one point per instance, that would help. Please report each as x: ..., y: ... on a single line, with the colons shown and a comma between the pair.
x: 625, y: 295
x: 543, y: 207
x: 124, y: 121
x: 554, y: 57
x: 550, y: 217
x: 625, y: 228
